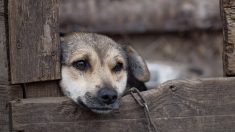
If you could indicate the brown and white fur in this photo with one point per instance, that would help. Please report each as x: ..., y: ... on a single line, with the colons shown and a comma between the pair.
x: 96, y: 71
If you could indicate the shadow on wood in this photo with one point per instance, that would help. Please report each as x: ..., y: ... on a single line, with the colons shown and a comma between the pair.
x: 206, y: 105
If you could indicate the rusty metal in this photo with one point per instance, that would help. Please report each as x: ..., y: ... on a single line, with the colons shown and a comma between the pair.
x: 141, y: 101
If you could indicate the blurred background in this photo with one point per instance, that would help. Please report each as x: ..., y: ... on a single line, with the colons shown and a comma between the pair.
x: 180, y: 39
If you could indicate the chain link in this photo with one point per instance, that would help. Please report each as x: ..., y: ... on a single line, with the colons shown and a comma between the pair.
x: 143, y: 104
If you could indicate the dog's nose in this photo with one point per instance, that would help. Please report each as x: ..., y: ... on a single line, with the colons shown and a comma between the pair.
x: 107, y: 95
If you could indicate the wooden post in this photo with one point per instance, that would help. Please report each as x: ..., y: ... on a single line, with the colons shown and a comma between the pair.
x: 4, y: 78
x: 4, y: 81
x: 29, y: 50
x: 34, y: 40
x: 228, y: 15
x: 7, y: 92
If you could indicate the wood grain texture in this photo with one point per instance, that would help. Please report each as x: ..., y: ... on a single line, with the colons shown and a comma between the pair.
x: 227, y: 11
x: 4, y: 76
x: 4, y: 128
x: 173, y: 124
x: 34, y: 40
x: 43, y: 89
x: 7, y: 93
x: 2, y: 6
x: 136, y: 16
x: 189, y: 105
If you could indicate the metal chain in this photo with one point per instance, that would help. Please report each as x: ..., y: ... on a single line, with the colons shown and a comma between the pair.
x: 143, y: 104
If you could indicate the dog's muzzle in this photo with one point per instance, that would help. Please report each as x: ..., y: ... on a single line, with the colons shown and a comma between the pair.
x: 107, y: 95
x: 105, y: 101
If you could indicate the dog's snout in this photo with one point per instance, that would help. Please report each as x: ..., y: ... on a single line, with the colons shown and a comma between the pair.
x: 107, y: 95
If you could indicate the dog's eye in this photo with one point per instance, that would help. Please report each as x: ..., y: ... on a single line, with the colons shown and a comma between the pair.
x: 81, y: 65
x: 118, y: 67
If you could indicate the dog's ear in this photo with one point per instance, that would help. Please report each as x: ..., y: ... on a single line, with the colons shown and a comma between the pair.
x: 137, y: 65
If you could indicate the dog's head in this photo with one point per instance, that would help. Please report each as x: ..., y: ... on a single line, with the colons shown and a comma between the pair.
x: 95, y: 70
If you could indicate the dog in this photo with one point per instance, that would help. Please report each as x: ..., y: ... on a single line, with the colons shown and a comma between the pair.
x: 96, y: 71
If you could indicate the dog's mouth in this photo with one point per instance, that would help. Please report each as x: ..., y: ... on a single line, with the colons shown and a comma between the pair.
x: 103, y: 109
x: 100, y: 108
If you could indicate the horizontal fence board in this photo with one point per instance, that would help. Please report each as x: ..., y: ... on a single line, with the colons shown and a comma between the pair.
x: 228, y: 13
x: 173, y: 124
x: 137, y: 16
x: 34, y: 40
x: 186, y: 99
x: 42, y: 89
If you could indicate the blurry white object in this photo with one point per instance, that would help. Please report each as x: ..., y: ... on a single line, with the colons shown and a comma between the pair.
x: 161, y: 72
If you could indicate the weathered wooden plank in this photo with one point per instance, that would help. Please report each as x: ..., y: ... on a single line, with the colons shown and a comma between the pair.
x: 175, y: 100
x: 34, y: 40
x: 2, y: 6
x: 133, y: 16
x: 42, y: 89
x: 4, y: 128
x: 4, y: 78
x: 4, y: 120
x: 228, y: 14
x: 173, y: 124
x: 7, y: 93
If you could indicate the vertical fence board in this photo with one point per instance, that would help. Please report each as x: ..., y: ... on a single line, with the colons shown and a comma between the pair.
x: 7, y: 93
x: 228, y: 15
x: 1, y: 6
x: 34, y: 40
x: 4, y: 79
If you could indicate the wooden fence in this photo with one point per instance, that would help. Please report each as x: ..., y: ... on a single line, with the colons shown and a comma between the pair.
x: 30, y: 69
x: 138, y: 16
